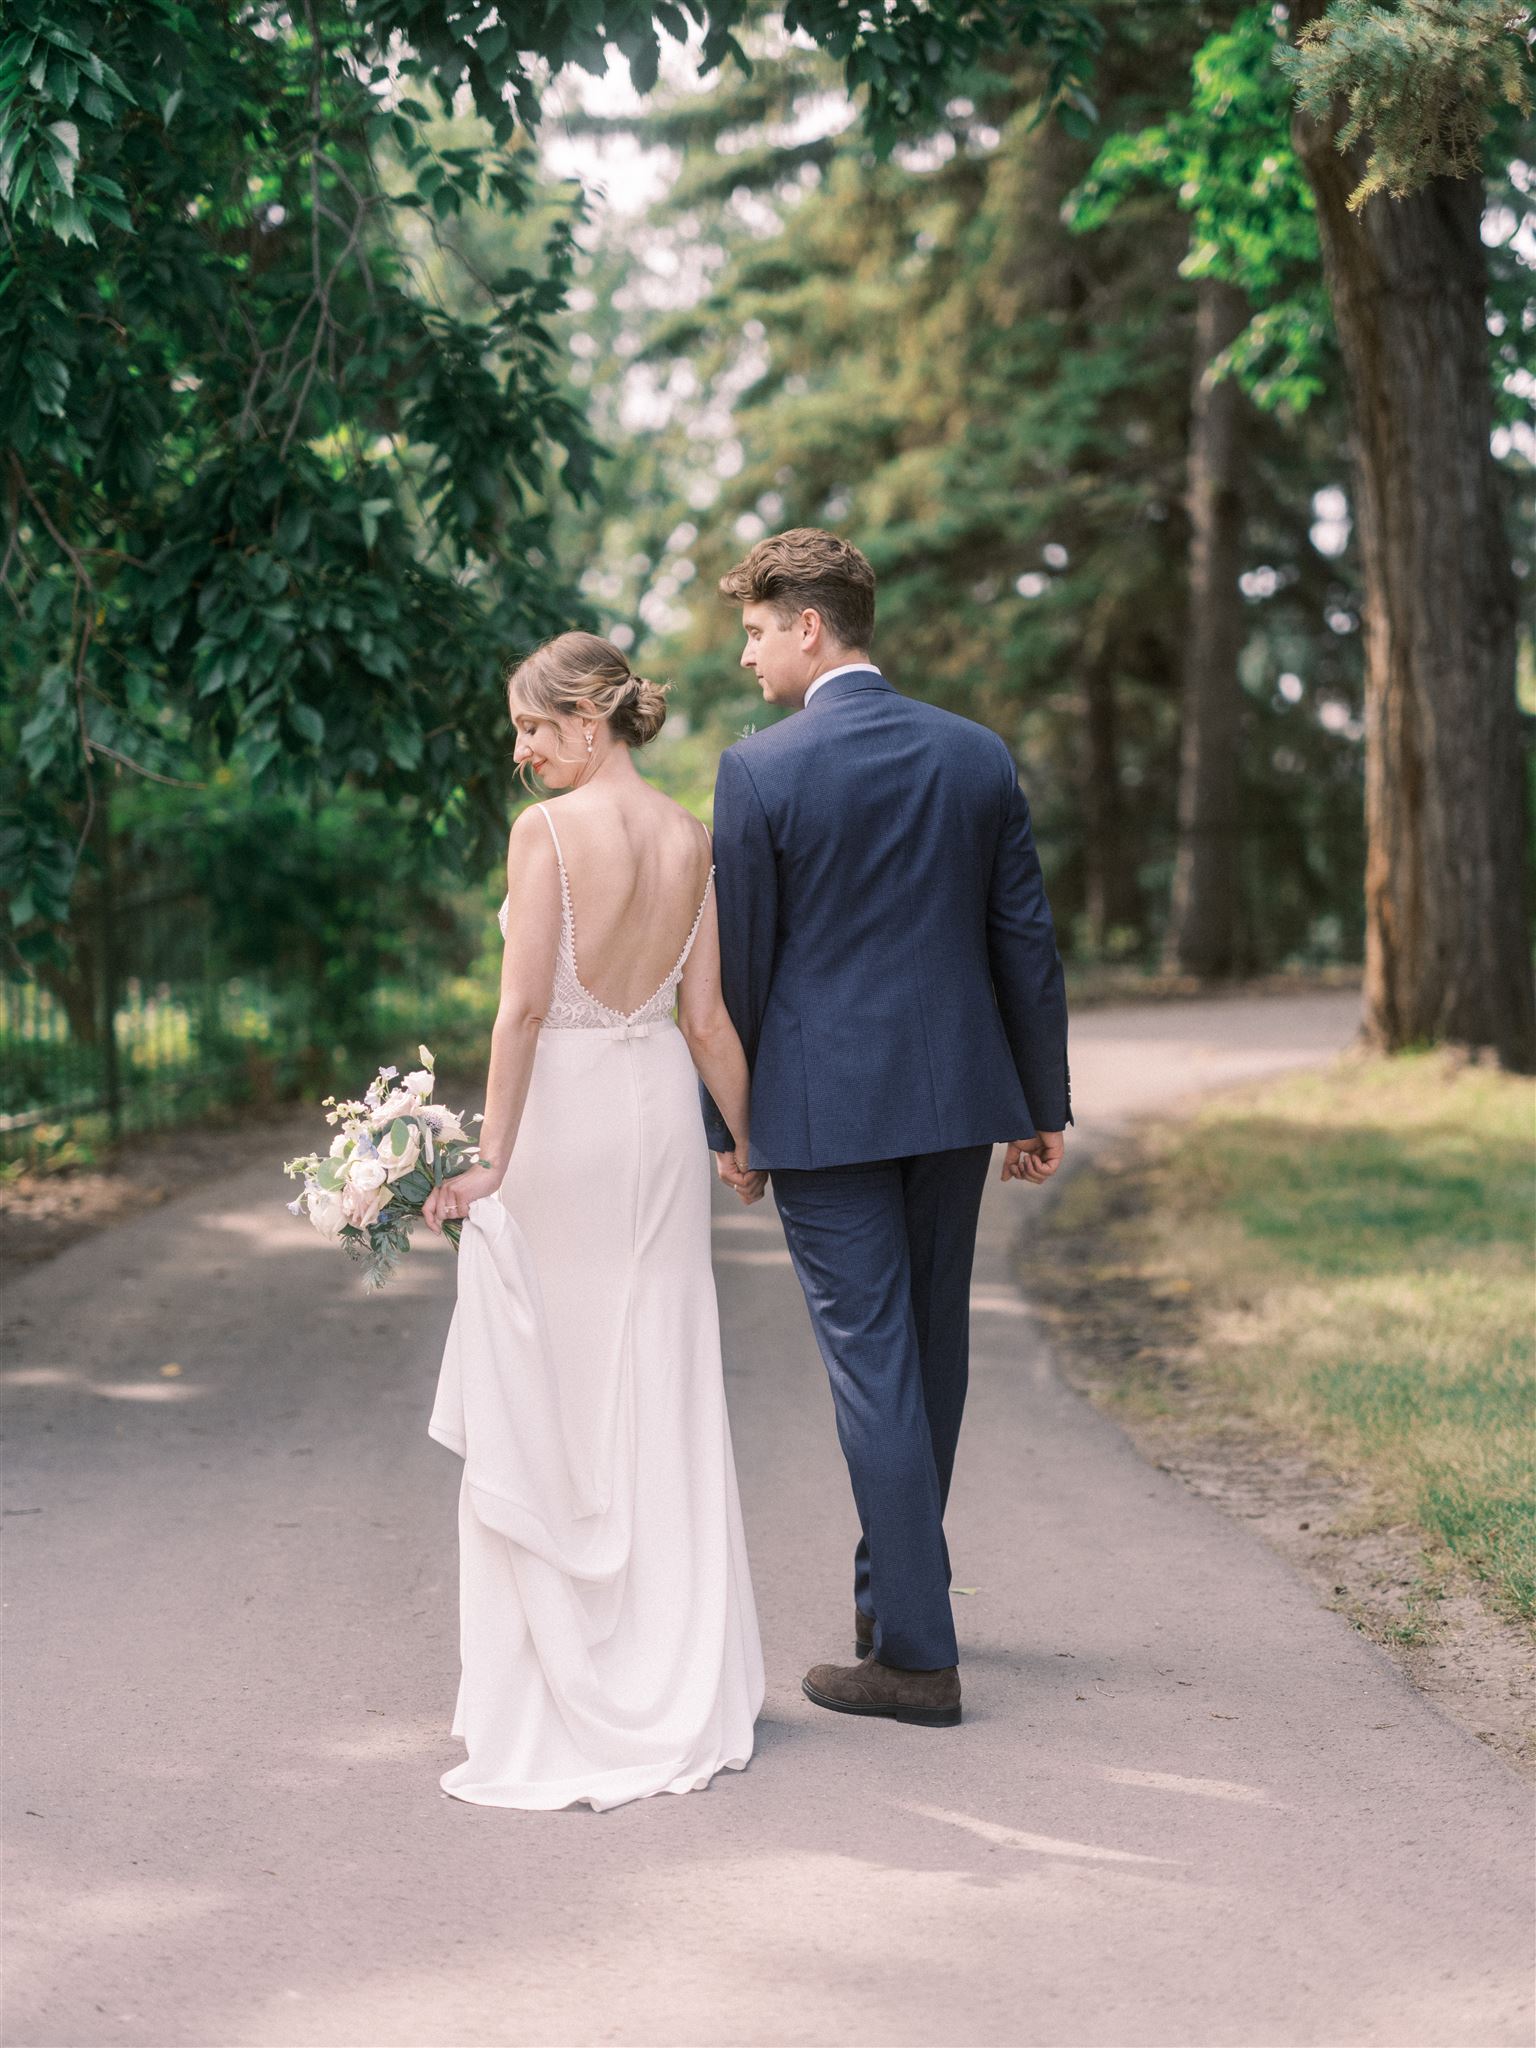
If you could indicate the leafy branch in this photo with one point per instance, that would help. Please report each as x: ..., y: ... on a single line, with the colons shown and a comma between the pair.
x: 1421, y: 79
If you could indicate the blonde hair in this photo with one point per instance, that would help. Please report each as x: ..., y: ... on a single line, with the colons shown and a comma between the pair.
x: 576, y: 668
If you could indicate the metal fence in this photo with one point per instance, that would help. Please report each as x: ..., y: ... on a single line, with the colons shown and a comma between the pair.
x: 145, y: 1028
x: 134, y: 1030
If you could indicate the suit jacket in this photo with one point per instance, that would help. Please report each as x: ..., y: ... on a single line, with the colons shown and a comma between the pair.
x: 887, y: 951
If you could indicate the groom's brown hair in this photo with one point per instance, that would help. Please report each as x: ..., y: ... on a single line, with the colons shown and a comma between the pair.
x: 808, y: 570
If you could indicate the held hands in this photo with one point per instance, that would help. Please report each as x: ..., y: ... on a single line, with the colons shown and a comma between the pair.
x: 1035, y: 1159
x: 450, y: 1201
x: 733, y: 1170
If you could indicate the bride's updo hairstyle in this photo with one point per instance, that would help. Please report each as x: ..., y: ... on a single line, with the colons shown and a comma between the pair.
x: 579, y: 667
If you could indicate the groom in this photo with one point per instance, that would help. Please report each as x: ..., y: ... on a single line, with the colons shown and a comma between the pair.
x: 888, y: 959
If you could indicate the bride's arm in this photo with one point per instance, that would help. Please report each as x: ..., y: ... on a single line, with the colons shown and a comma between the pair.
x: 527, y: 977
x: 712, y: 1041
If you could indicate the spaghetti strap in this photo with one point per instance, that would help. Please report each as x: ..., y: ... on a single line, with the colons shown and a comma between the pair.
x: 567, y: 907
x: 709, y: 883
x: 549, y: 821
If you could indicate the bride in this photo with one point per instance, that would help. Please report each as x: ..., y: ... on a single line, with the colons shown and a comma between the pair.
x: 607, y: 1633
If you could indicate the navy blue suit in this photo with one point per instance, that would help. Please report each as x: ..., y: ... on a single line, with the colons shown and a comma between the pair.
x: 889, y: 961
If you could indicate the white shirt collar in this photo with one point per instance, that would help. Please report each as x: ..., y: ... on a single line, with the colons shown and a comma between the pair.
x: 848, y: 668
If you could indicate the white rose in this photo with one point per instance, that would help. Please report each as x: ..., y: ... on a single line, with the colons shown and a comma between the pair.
x: 419, y: 1083
x: 325, y: 1212
x: 398, y: 1164
x: 403, y: 1102
x: 362, y: 1205
x: 366, y: 1174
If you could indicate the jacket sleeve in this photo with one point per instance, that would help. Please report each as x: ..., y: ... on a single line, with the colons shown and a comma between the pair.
x: 1026, y: 967
x: 747, y: 906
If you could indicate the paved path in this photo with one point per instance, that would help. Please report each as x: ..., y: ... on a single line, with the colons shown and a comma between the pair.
x: 1186, y: 1807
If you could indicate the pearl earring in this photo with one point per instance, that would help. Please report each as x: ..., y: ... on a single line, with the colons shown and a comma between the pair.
x: 589, y: 742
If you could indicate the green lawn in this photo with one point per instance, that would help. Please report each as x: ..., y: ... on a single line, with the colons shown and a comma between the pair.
x: 1355, y: 1249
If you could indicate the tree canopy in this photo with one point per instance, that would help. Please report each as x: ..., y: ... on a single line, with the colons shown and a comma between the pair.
x: 302, y: 390
x: 274, y: 494
x: 966, y: 357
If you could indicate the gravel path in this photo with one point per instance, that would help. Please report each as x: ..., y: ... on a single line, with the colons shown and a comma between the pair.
x: 1187, y: 1806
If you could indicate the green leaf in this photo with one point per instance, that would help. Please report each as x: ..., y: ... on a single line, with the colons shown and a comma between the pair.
x: 17, y: 49
x: 293, y: 529
x: 259, y: 757
x: 63, y: 81
x: 15, y: 189
x: 403, y: 745
x: 306, y: 720
x: 63, y: 39
x: 69, y: 223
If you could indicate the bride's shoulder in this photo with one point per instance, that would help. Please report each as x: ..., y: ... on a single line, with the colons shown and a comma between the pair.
x: 529, y: 842
x: 689, y: 829
x: 529, y: 828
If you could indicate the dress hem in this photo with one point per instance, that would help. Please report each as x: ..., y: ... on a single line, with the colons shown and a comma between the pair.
x: 553, y: 1799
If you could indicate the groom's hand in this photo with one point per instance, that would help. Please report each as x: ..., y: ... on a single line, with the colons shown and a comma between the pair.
x: 1035, y: 1159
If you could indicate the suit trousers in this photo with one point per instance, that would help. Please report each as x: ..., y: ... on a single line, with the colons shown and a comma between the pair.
x: 883, y: 1252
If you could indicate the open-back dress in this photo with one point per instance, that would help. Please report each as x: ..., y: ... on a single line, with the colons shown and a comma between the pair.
x: 608, y: 1637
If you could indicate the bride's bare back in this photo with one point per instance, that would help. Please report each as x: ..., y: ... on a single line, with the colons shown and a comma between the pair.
x: 608, y: 920
x: 637, y: 865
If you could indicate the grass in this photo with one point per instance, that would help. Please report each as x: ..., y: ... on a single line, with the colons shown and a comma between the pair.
x: 1092, y: 982
x: 1355, y: 1250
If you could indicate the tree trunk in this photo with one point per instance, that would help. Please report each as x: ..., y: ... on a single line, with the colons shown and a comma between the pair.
x: 1202, y: 936
x: 1447, y: 936
x: 76, y: 989
x: 1110, y: 879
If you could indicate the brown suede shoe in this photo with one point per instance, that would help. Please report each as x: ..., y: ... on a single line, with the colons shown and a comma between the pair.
x: 925, y: 1699
x: 863, y: 1634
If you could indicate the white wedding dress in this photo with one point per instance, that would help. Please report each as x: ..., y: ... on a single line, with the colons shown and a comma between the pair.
x: 607, y: 1632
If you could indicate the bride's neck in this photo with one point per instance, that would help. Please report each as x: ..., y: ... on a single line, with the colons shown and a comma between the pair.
x: 617, y: 763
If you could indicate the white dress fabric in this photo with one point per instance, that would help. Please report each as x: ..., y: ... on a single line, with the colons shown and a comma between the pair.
x: 607, y: 1631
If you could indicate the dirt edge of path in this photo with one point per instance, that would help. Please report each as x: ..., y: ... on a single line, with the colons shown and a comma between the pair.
x: 1120, y: 1341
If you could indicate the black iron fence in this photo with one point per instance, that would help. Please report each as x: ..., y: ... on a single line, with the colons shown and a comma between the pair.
x: 144, y: 1027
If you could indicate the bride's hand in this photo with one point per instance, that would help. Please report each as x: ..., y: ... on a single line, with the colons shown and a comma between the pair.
x: 733, y: 1169
x: 449, y: 1202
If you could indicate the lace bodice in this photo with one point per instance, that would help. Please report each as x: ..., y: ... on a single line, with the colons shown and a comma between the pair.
x: 572, y: 1006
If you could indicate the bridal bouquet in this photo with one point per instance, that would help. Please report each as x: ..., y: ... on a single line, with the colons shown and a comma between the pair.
x: 393, y: 1148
